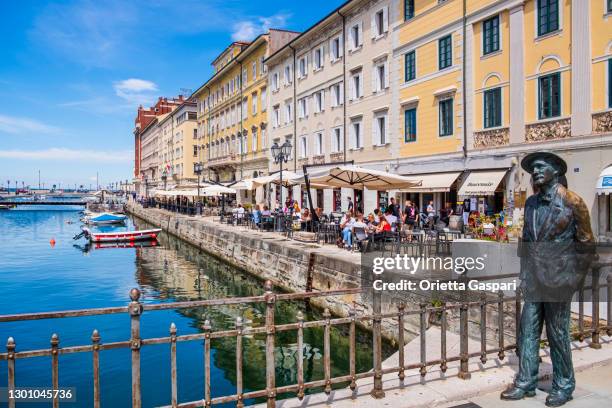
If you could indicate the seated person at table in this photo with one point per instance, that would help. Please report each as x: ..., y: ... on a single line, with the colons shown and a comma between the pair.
x: 306, y: 220
x: 371, y: 224
x: 266, y: 211
x: 382, y: 227
x: 239, y: 211
x: 391, y: 219
x: 377, y: 215
x: 346, y: 226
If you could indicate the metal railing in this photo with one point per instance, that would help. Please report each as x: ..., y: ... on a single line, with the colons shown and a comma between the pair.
x: 135, y: 310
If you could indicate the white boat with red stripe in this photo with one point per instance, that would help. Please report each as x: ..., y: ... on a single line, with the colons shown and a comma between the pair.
x: 126, y: 236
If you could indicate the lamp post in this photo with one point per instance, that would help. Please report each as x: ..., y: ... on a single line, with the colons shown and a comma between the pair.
x: 164, y: 178
x: 146, y: 181
x: 281, y: 154
x: 197, y: 170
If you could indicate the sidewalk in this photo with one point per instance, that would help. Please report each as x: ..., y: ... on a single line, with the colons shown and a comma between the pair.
x: 437, y: 389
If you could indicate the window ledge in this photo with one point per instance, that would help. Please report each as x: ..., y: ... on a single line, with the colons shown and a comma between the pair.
x: 355, y: 50
x: 491, y: 54
x: 335, y: 61
x: 380, y: 36
x: 540, y: 121
x: 315, y: 70
x: 382, y: 145
x: 548, y: 35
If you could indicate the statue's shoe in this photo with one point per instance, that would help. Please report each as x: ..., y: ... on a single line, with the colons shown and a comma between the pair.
x: 515, y: 393
x: 556, y: 399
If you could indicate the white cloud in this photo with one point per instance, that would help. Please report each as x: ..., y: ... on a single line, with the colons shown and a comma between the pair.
x: 64, y: 154
x: 247, y: 30
x: 135, y: 91
x: 20, y: 125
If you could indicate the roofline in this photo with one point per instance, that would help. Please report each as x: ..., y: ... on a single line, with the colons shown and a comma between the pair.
x: 237, y: 58
x: 178, y: 108
x: 227, y: 48
x: 308, y: 30
x: 155, y: 120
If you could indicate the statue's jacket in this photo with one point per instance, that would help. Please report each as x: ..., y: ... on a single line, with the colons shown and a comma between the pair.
x: 557, y: 245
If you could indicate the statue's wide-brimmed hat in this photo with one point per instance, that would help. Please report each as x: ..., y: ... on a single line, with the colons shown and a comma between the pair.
x: 553, y: 159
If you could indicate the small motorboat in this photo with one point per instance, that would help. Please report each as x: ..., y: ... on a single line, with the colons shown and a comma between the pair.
x: 6, y: 207
x: 127, y: 236
x: 104, y: 219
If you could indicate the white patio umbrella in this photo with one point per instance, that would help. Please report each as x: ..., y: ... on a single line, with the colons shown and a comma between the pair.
x: 289, y: 179
x: 246, y: 184
x: 216, y: 190
x: 358, y: 178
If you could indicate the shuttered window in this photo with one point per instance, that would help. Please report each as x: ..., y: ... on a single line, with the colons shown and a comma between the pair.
x: 549, y: 96
x: 445, y: 52
x: 410, y: 66
x: 548, y: 16
x: 446, y: 117
x: 490, y: 37
x: 492, y: 108
x: 410, y: 125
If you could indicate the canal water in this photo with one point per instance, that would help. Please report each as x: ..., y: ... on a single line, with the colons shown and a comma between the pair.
x: 36, y: 276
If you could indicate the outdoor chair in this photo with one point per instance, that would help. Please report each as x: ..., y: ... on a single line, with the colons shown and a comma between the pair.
x: 361, y: 239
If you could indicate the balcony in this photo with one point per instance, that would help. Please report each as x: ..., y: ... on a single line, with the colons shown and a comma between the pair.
x: 491, y: 138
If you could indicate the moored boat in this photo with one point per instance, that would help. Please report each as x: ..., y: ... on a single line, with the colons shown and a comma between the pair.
x: 126, y: 236
x: 104, y: 218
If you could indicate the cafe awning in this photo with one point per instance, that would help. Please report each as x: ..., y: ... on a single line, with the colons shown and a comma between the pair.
x: 433, y: 183
x: 481, y: 183
x: 604, y: 182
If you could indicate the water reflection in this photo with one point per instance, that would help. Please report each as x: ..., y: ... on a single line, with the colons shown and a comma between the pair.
x: 179, y: 271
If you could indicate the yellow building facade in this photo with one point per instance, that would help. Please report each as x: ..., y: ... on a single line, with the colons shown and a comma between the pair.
x: 232, y: 110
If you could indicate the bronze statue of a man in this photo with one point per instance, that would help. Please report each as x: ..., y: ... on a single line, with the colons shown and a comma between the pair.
x: 556, y: 249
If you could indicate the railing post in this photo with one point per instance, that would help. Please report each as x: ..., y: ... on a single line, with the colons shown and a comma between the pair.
x: 377, y: 391
x: 483, y: 328
x: 95, y: 339
x: 270, y: 332
x: 423, y: 338
x: 135, y: 310
x: 500, y: 322
x: 240, y: 402
x: 401, y: 308
x: 595, y: 308
x: 326, y: 351
x: 464, y: 372
x: 443, y: 329
x: 207, y: 395
x: 173, y: 379
x: 300, y: 362
x: 352, y: 346
x: 10, y: 351
x: 55, y: 367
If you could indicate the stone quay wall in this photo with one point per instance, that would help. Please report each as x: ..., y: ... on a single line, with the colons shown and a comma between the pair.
x: 291, y: 265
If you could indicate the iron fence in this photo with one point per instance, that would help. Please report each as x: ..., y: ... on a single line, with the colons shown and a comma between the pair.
x: 135, y: 343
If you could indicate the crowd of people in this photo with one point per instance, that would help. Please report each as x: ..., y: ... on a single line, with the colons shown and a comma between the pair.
x: 353, y: 224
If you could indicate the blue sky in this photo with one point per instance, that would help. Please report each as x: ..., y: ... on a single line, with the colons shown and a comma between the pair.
x: 72, y: 74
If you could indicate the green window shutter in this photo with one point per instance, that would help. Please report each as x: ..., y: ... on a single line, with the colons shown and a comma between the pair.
x: 446, y: 117
x: 408, y: 9
x: 410, y: 125
x: 549, y: 95
x: 490, y: 35
x: 445, y: 52
x: 492, y: 108
x: 409, y: 66
x: 548, y: 16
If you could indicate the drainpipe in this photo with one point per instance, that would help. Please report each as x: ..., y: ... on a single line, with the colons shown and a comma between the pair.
x: 344, y: 85
x: 464, y: 96
x: 294, y: 111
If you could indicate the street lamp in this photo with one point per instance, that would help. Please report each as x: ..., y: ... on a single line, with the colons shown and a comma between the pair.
x: 164, y: 178
x: 197, y: 170
x: 281, y: 154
